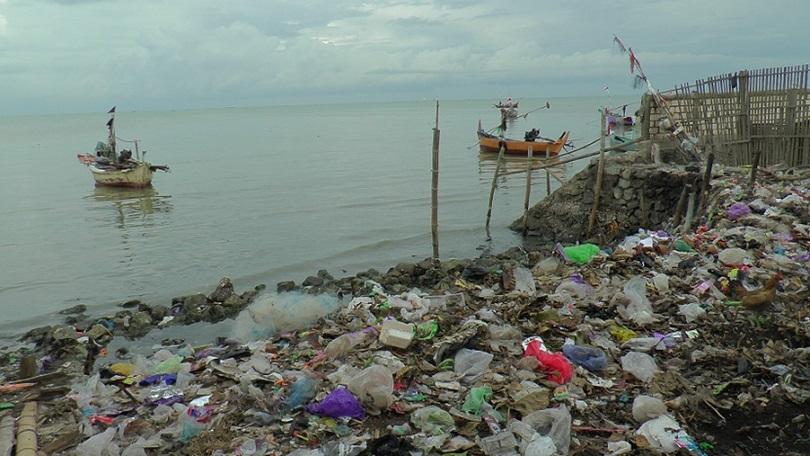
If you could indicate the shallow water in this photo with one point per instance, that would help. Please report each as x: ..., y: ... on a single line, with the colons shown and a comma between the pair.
x: 257, y: 194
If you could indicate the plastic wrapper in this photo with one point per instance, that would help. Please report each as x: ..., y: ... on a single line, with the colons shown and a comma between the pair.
x: 301, y: 392
x: 475, y: 399
x: 648, y: 407
x: 580, y: 254
x: 374, y: 386
x: 641, y: 365
x: 575, y: 286
x: 639, y: 310
x: 433, y: 420
x: 524, y: 281
x: 554, y: 423
x: 590, y: 358
x: 556, y: 366
x: 100, y: 445
x: 337, y: 404
x: 471, y: 364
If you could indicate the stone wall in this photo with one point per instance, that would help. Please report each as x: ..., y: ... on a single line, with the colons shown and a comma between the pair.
x: 635, y: 194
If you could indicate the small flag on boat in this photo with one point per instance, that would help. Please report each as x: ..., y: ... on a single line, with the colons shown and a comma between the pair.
x: 110, y: 123
x: 112, y: 110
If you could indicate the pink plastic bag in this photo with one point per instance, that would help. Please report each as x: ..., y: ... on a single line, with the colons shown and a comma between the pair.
x: 557, y: 367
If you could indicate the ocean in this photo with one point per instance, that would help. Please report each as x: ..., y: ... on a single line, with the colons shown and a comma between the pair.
x: 256, y: 194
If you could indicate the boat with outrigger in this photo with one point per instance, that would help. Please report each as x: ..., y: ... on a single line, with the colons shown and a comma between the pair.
x: 111, y: 168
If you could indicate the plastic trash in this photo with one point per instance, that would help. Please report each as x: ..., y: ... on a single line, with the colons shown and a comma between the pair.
x: 337, y: 404
x: 648, y: 407
x: 738, y: 210
x: 433, y: 420
x: 557, y: 367
x: 681, y: 246
x: 574, y: 286
x: 271, y: 313
x: 554, y: 423
x: 644, y: 344
x: 546, y: 266
x: 162, y: 413
x: 640, y: 365
x: 342, y: 345
x: 590, y: 358
x: 580, y: 254
x: 622, y: 333
x: 471, y: 364
x: 302, y: 391
x: 661, y: 282
x: 427, y: 330
x: 396, y: 334
x: 662, y: 433
x: 541, y: 445
x: 374, y: 386
x: 524, y: 281
x: 169, y: 366
x: 618, y: 448
x: 733, y: 256
x: 193, y: 421
x: 501, y: 444
x: 475, y: 399
x: 100, y: 444
x: 692, y: 311
x: 639, y: 310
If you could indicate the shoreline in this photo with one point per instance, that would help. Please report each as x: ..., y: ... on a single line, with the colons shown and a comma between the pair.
x: 713, y: 353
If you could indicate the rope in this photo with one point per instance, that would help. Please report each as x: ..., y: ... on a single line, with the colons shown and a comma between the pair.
x: 132, y: 141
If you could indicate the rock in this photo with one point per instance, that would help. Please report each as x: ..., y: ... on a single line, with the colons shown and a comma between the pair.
x: 285, y: 286
x: 233, y: 301
x: 324, y: 274
x: 131, y: 303
x: 63, y: 333
x: 140, y: 322
x: 98, y: 332
x: 407, y: 269
x: 158, y: 312
x: 194, y: 302
x: 223, y: 290
x: 312, y: 281
x: 77, y: 309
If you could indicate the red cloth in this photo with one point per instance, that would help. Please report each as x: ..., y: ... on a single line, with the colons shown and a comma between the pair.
x: 557, y: 367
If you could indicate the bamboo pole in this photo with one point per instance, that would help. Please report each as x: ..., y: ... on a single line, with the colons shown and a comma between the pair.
x: 754, y: 167
x: 569, y: 160
x: 548, y: 182
x: 6, y: 434
x: 434, y: 188
x: 600, y: 171
x: 676, y: 218
x: 528, y: 191
x: 27, y: 430
x: 690, y: 208
x: 494, y: 183
x: 706, y: 185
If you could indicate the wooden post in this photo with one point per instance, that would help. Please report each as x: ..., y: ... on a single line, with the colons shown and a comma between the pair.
x: 690, y: 208
x: 600, y: 171
x: 644, y: 215
x: 548, y: 182
x: 707, y: 179
x: 754, y: 167
x: 27, y: 430
x: 646, y: 112
x: 434, y: 188
x: 528, y: 191
x: 676, y: 218
x: 494, y: 183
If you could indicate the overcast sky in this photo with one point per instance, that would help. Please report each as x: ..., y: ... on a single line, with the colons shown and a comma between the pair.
x: 85, y: 55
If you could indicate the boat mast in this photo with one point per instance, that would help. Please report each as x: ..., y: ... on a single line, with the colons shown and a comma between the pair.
x: 111, y: 137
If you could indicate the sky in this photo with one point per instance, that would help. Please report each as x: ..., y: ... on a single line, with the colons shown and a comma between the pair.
x: 61, y: 56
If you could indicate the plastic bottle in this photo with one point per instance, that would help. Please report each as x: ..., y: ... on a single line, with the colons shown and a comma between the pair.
x: 344, y: 344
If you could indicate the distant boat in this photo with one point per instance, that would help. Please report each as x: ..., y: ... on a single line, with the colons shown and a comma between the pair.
x: 110, y: 168
x: 508, y: 108
x: 491, y: 143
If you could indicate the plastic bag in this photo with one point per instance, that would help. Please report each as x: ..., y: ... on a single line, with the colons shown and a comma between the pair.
x: 344, y: 344
x: 641, y: 365
x: 524, y: 281
x: 337, y: 404
x: 374, y: 386
x: 193, y: 421
x: 733, y: 256
x: 661, y: 282
x: 475, y: 399
x: 639, y: 310
x: 271, y: 313
x: 661, y: 433
x: 692, y: 311
x: 433, y: 420
x: 575, y: 286
x: 136, y: 449
x: 301, y: 392
x: 738, y: 210
x: 471, y: 364
x: 541, y: 445
x: 590, y: 358
x: 100, y: 444
x: 648, y: 407
x: 554, y: 423
x: 557, y: 367
x: 580, y: 254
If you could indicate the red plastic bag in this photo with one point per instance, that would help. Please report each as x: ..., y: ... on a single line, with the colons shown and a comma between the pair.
x: 557, y: 367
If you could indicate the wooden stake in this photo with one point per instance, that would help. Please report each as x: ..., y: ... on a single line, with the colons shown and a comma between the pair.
x: 528, y: 191
x: 548, y: 182
x: 690, y: 208
x: 707, y: 179
x: 600, y: 171
x: 27, y: 430
x: 754, y: 167
x: 677, y: 217
x: 494, y: 183
x: 434, y: 188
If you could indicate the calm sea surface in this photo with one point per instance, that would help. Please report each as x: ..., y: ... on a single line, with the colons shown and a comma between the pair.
x: 256, y: 194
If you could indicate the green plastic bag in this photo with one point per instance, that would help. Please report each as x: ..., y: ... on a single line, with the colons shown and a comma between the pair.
x: 581, y: 254
x: 475, y: 399
x: 169, y: 366
x: 682, y: 246
x: 427, y: 330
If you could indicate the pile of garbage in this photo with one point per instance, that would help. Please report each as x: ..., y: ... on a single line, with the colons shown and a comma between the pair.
x: 695, y: 343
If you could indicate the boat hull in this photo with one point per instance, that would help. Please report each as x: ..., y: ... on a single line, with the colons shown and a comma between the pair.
x: 492, y: 144
x: 137, y: 177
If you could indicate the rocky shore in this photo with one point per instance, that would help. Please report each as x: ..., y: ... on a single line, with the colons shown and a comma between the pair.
x: 658, y: 342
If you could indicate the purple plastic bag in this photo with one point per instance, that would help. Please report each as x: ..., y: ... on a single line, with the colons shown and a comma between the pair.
x: 339, y: 403
x: 738, y: 210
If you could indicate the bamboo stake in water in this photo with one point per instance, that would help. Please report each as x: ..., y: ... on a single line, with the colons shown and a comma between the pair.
x: 528, y: 191
x: 494, y: 183
x: 600, y: 171
x: 434, y: 188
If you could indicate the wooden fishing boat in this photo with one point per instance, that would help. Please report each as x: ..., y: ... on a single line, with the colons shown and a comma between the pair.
x: 540, y: 147
x: 112, y: 169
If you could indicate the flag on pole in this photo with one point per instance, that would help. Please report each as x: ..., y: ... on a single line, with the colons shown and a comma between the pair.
x: 112, y: 110
x: 633, y: 62
x: 110, y: 123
